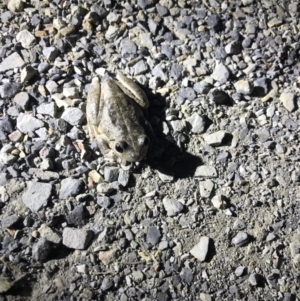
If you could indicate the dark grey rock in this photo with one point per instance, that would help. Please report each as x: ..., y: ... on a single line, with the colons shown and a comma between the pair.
x: 43, y: 67
x: 10, y: 221
x: 77, y: 216
x: 218, y: 96
x: 9, y: 90
x: 70, y: 188
x: 5, y: 124
x: 41, y: 250
x: 153, y: 235
x: 186, y: 275
x: 111, y: 174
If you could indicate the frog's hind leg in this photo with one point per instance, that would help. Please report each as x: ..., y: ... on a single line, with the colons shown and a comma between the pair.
x: 131, y: 89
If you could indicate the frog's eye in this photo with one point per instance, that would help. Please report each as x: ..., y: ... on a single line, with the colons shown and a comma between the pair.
x: 144, y: 141
x: 120, y: 146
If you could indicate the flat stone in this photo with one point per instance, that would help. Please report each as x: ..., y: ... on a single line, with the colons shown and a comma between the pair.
x: 69, y: 188
x: 140, y: 67
x: 206, y: 188
x: 153, y: 235
x: 205, y: 297
x: 9, y: 221
x: 239, y: 271
x: 47, y: 108
x: 73, y: 116
x: 27, y: 123
x: 240, y: 239
x: 215, y: 139
x: 26, y: 39
x: 221, y: 73
x: 288, y: 100
x: 52, y: 86
x: 128, y: 47
x: 243, y: 87
x: 77, y: 239
x: 274, y: 22
x: 71, y: 92
x: 255, y: 279
x: 173, y: 207
x: 200, y: 250
x: 206, y: 171
x: 11, y: 62
x: 36, y: 196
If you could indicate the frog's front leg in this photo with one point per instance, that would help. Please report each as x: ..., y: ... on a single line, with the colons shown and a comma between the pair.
x: 131, y: 89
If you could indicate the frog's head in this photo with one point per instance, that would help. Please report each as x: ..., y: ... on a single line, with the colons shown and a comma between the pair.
x: 132, y: 152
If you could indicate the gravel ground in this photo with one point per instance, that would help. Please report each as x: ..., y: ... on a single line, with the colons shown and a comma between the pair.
x: 212, y: 213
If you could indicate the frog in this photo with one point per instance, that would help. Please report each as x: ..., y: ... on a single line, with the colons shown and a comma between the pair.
x: 115, y: 118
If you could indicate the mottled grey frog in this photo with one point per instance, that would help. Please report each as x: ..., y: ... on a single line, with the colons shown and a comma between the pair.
x: 115, y: 118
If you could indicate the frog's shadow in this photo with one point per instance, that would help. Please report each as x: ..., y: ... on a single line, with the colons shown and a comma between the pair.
x: 164, y: 153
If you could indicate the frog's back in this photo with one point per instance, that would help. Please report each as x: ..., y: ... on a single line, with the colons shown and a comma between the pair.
x: 120, y: 116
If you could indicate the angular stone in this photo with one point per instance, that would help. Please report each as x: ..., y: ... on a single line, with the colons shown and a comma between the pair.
x: 200, y: 250
x: 9, y: 90
x: 240, y: 239
x: 22, y: 99
x: 221, y: 73
x: 202, y: 87
x: 69, y: 188
x: 206, y: 171
x: 215, y: 139
x: 36, y: 196
x: 47, y: 108
x: 197, y: 122
x: 77, y: 239
x: 243, y: 87
x: 206, y: 188
x: 218, y: 96
x: 173, y: 207
x: 15, y: 6
x: 288, y: 100
x: 50, y: 53
x: 49, y: 234
x: 26, y: 39
x: 73, y: 116
x: 12, y: 61
x: 219, y: 202
x: 41, y: 250
x: 9, y: 221
x: 108, y: 257
x: 27, y: 73
x: 27, y: 123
